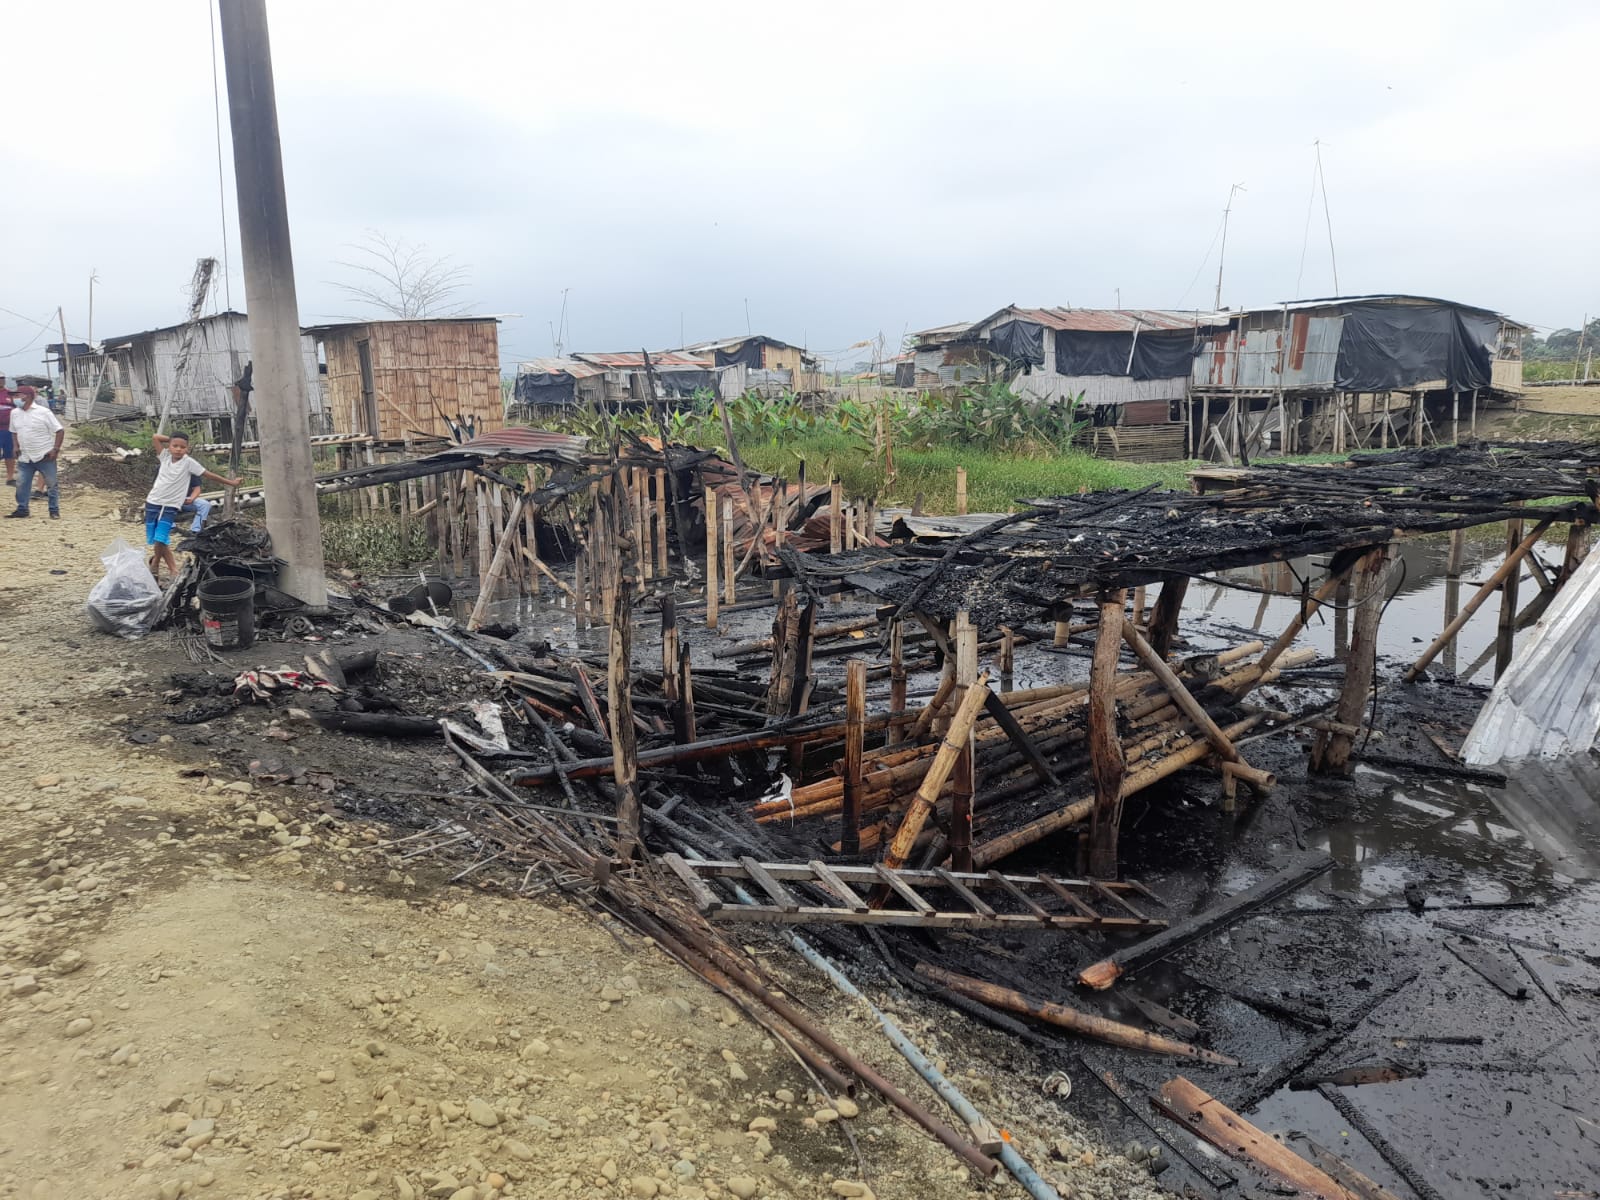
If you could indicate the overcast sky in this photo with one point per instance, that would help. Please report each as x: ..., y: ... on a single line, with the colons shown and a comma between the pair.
x: 845, y: 169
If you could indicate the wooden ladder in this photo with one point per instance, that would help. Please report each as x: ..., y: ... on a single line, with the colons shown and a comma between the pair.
x: 800, y: 893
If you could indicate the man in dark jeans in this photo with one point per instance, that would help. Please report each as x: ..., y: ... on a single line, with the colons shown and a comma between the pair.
x: 38, y: 436
x: 7, y: 449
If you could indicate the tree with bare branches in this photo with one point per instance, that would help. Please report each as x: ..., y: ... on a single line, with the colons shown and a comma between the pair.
x: 401, y: 279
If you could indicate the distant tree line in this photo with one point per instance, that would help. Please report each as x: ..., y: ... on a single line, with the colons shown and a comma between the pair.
x: 1561, y: 345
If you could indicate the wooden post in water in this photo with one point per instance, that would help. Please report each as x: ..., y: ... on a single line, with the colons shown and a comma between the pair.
x: 1063, y: 626
x: 1008, y: 657
x: 855, y: 716
x: 1164, y: 618
x: 1330, y: 754
x: 713, y: 574
x: 1505, y: 637
x: 1577, y: 549
x: 961, y: 491
x: 1106, y: 761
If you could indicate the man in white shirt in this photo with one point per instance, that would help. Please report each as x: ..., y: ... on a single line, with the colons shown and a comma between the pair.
x: 177, y: 486
x: 38, y: 437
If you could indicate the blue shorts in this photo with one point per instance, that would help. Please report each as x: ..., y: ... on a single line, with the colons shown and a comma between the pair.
x: 158, y: 524
x: 7, y: 448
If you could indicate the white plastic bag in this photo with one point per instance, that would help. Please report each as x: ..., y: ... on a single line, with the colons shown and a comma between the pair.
x: 125, y: 599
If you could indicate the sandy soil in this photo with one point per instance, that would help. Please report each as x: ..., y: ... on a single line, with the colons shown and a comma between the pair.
x: 211, y: 989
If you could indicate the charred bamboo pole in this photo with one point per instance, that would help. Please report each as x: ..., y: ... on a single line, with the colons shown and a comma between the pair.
x: 854, y: 741
x: 1164, y: 618
x: 619, y: 703
x: 730, y: 564
x: 1512, y: 563
x: 836, y: 517
x: 1331, y: 751
x: 986, y: 854
x: 1105, y: 749
x: 663, y: 561
x: 1008, y: 657
x: 944, y: 762
x: 491, y: 578
x: 960, y: 831
x: 785, y: 645
x: 897, y: 680
x: 683, y: 718
x: 1087, y: 1024
x: 1181, y: 695
x: 1506, y: 633
x: 712, y: 543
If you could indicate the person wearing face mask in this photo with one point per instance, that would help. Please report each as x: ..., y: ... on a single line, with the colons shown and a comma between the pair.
x: 38, y: 436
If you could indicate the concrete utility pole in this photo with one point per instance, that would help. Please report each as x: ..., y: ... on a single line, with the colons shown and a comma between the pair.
x: 282, y: 399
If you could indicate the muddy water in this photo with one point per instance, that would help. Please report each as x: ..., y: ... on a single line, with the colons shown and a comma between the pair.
x: 1424, y: 599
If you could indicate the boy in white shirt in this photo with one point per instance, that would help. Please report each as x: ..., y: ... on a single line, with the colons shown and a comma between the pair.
x: 177, y: 486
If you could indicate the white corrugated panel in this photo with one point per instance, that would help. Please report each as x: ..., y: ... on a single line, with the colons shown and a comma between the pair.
x: 1547, y: 704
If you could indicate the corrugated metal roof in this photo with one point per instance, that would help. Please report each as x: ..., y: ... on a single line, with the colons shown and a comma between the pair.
x: 633, y: 360
x: 1382, y: 298
x: 517, y: 441
x: 332, y: 325
x: 727, y: 343
x: 574, y: 367
x: 1107, y: 320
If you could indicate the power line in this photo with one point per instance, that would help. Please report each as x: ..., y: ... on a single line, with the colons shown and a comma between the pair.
x: 33, y: 340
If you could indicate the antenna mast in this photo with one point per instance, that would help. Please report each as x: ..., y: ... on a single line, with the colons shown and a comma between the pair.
x: 1223, y: 252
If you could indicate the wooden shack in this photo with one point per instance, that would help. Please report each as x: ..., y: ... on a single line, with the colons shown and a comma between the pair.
x: 399, y: 379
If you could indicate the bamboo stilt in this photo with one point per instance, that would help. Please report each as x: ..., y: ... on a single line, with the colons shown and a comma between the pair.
x: 944, y: 761
x: 1331, y: 751
x: 897, y: 681
x: 730, y: 564
x: 712, y: 548
x: 1105, y: 749
x: 1512, y: 562
x: 961, y: 491
x: 1506, y: 633
x: 854, y: 742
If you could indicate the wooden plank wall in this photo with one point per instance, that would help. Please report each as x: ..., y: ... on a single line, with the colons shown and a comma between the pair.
x: 421, y: 367
x: 418, y: 369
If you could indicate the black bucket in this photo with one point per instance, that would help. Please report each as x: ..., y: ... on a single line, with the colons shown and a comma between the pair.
x: 228, y: 612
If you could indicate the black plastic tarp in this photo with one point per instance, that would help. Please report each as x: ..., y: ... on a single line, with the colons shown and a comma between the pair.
x: 545, y: 387
x: 1020, y: 343
x: 1390, y: 346
x: 745, y: 353
x: 1154, y: 355
x: 686, y: 383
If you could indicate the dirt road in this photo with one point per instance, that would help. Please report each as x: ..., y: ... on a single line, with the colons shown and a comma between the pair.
x: 211, y: 989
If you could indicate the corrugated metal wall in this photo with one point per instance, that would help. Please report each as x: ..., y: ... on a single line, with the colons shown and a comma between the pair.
x: 217, y: 353
x: 1259, y: 357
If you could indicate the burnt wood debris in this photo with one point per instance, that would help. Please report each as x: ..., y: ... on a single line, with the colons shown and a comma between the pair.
x: 878, y: 776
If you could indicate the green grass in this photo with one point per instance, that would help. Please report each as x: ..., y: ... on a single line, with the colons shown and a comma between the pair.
x: 104, y: 436
x: 995, y: 479
x: 373, y: 543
